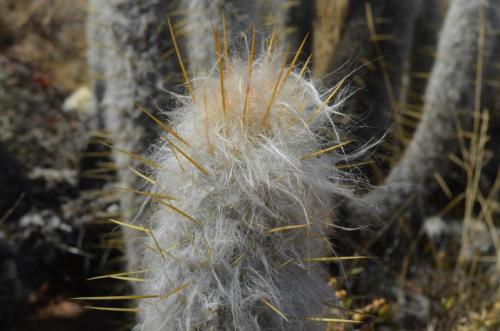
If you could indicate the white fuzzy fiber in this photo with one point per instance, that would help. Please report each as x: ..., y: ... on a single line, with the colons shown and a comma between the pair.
x: 226, y: 261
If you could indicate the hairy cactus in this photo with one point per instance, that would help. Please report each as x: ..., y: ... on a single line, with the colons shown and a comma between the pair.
x: 444, y: 108
x: 127, y: 41
x: 243, y: 196
x: 355, y: 36
x: 245, y: 182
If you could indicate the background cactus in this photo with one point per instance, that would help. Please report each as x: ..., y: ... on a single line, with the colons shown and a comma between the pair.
x: 127, y: 40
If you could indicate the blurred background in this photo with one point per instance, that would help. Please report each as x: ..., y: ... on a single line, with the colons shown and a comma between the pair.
x: 51, y: 206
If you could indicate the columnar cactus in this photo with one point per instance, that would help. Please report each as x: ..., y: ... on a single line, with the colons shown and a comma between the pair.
x: 244, y: 193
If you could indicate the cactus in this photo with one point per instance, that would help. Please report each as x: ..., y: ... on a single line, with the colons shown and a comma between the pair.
x: 384, y: 60
x: 449, y: 99
x: 127, y: 42
x: 243, y: 196
x: 202, y: 15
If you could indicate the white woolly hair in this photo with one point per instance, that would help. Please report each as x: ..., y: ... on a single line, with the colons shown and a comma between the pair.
x: 251, y: 203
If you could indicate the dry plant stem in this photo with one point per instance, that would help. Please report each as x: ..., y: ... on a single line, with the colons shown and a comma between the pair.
x: 384, y: 48
x: 449, y: 98
x: 127, y: 43
x: 328, y: 27
x: 474, y: 157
